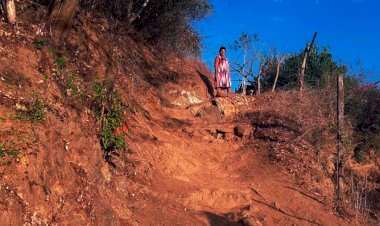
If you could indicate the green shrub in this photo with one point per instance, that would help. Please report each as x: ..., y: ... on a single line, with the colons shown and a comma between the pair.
x: 108, y: 108
x: 5, y: 151
x: 36, y: 113
x: 60, y: 61
x: 131, y: 109
x: 40, y: 43
x: 112, y: 121
x: 46, y: 77
x: 73, y: 84
x: 358, y: 155
x: 362, y: 107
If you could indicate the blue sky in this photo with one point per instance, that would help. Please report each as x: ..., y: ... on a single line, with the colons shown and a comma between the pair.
x: 350, y: 27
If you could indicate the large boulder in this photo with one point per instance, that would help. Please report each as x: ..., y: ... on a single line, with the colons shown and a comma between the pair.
x: 226, y: 106
x: 243, y: 130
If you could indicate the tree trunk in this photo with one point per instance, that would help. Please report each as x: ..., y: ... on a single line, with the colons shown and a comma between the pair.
x: 301, y: 77
x: 61, y: 18
x: 259, y: 80
x: 277, y: 73
x: 244, y: 85
x: 9, y: 10
x: 340, y: 138
x: 135, y: 15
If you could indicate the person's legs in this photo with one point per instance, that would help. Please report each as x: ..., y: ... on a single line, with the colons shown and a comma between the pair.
x: 220, y: 92
x: 217, y: 92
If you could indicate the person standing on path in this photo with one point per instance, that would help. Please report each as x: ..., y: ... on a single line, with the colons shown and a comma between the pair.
x: 222, y: 74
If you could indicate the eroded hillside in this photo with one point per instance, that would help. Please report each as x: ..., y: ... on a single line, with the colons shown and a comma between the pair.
x: 189, y: 158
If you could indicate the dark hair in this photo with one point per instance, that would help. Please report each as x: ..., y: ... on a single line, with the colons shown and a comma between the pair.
x: 221, y: 48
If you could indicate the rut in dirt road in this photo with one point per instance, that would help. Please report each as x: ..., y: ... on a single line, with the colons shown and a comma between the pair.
x: 232, y: 175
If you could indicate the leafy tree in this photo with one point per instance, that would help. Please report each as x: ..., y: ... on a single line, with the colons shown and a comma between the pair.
x: 126, y: 11
x: 169, y: 24
x: 165, y: 23
x: 320, y: 67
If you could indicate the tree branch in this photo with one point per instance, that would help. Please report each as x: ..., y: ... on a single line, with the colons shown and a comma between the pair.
x: 134, y: 16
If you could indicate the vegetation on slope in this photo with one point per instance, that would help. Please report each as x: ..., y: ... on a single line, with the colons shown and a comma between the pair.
x: 167, y: 25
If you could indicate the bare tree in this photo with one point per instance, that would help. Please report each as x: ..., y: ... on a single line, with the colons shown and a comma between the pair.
x: 279, y: 62
x: 340, y: 138
x: 247, y: 46
x: 301, y: 76
x: 268, y: 60
x: 135, y: 14
x: 9, y: 10
x: 259, y: 78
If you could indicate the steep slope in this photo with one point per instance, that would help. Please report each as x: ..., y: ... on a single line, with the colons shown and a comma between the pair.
x: 191, y: 159
x: 208, y: 170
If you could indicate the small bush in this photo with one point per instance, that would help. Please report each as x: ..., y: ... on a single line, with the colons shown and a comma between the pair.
x: 131, y: 109
x: 363, y: 110
x: 45, y: 77
x: 6, y: 151
x: 108, y: 108
x: 110, y: 139
x: 40, y: 43
x: 36, y: 113
x: 358, y: 155
x: 73, y: 84
x: 60, y: 61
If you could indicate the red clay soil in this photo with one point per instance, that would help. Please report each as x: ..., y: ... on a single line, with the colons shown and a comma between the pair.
x: 186, y: 161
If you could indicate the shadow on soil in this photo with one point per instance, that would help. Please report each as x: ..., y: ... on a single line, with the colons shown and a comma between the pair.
x: 210, y: 87
x: 218, y: 220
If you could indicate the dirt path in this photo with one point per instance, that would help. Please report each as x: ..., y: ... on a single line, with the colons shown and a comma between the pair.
x: 207, y: 180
